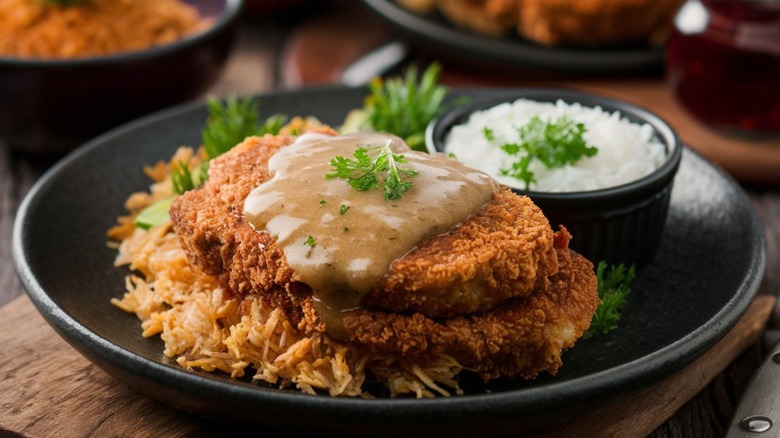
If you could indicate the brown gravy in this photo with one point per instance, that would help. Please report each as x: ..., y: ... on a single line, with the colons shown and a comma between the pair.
x: 342, y: 254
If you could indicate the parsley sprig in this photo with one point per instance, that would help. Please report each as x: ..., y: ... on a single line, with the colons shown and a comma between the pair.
x: 227, y: 125
x: 372, y: 168
x: 555, y: 143
x: 405, y: 105
x: 614, y: 285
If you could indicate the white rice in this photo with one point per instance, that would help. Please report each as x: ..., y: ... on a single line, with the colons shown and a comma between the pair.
x: 626, y: 150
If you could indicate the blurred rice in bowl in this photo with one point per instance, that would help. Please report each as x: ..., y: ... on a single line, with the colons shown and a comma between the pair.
x: 72, y: 69
x: 602, y: 168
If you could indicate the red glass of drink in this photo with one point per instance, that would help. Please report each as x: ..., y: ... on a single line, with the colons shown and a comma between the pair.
x: 723, y: 63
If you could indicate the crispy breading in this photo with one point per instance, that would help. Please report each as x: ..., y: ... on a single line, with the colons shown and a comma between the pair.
x: 523, y: 335
x: 502, y: 251
x: 212, y: 230
x: 500, y: 293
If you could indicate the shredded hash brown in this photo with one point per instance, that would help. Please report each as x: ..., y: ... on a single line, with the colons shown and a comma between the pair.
x: 205, y: 328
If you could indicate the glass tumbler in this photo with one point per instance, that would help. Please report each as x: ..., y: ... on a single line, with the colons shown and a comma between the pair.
x: 723, y: 63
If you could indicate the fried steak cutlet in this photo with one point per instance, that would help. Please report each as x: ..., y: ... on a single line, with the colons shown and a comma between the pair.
x: 499, y: 292
x: 523, y: 335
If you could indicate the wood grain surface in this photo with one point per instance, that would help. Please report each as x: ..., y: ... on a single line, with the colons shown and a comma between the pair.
x: 35, y: 403
x: 70, y: 396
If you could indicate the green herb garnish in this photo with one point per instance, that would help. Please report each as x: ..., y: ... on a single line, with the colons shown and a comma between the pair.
x: 226, y: 126
x: 372, y: 168
x: 555, y: 143
x: 614, y: 285
x: 273, y: 124
x: 343, y: 209
x: 229, y: 124
x: 323, y: 202
x: 404, y: 106
x: 488, y: 133
x: 184, y: 179
x: 310, y: 242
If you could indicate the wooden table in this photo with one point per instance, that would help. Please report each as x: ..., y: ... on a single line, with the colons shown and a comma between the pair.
x: 69, y: 396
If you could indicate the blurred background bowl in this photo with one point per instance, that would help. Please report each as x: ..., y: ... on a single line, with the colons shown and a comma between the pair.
x: 621, y: 224
x: 261, y: 8
x: 49, y: 106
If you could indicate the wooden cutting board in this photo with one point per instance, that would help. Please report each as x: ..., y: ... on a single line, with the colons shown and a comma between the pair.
x: 321, y: 49
x: 48, y: 389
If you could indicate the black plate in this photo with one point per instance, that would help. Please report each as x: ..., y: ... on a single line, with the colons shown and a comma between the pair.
x: 705, y: 274
x: 447, y: 40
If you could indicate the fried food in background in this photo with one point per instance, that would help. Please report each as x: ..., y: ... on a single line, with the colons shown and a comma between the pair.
x: 34, y: 29
x: 491, y: 17
x: 596, y: 22
x: 560, y: 22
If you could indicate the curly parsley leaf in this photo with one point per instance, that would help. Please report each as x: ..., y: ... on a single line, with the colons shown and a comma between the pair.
x: 373, y: 168
x: 614, y: 285
x: 555, y: 143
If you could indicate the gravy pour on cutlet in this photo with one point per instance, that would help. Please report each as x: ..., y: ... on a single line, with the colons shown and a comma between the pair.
x: 341, y: 241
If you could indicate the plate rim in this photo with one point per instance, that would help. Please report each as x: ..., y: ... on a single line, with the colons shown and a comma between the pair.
x: 593, y: 386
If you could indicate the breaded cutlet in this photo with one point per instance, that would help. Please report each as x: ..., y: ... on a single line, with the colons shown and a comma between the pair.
x: 504, y: 250
x: 499, y: 292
